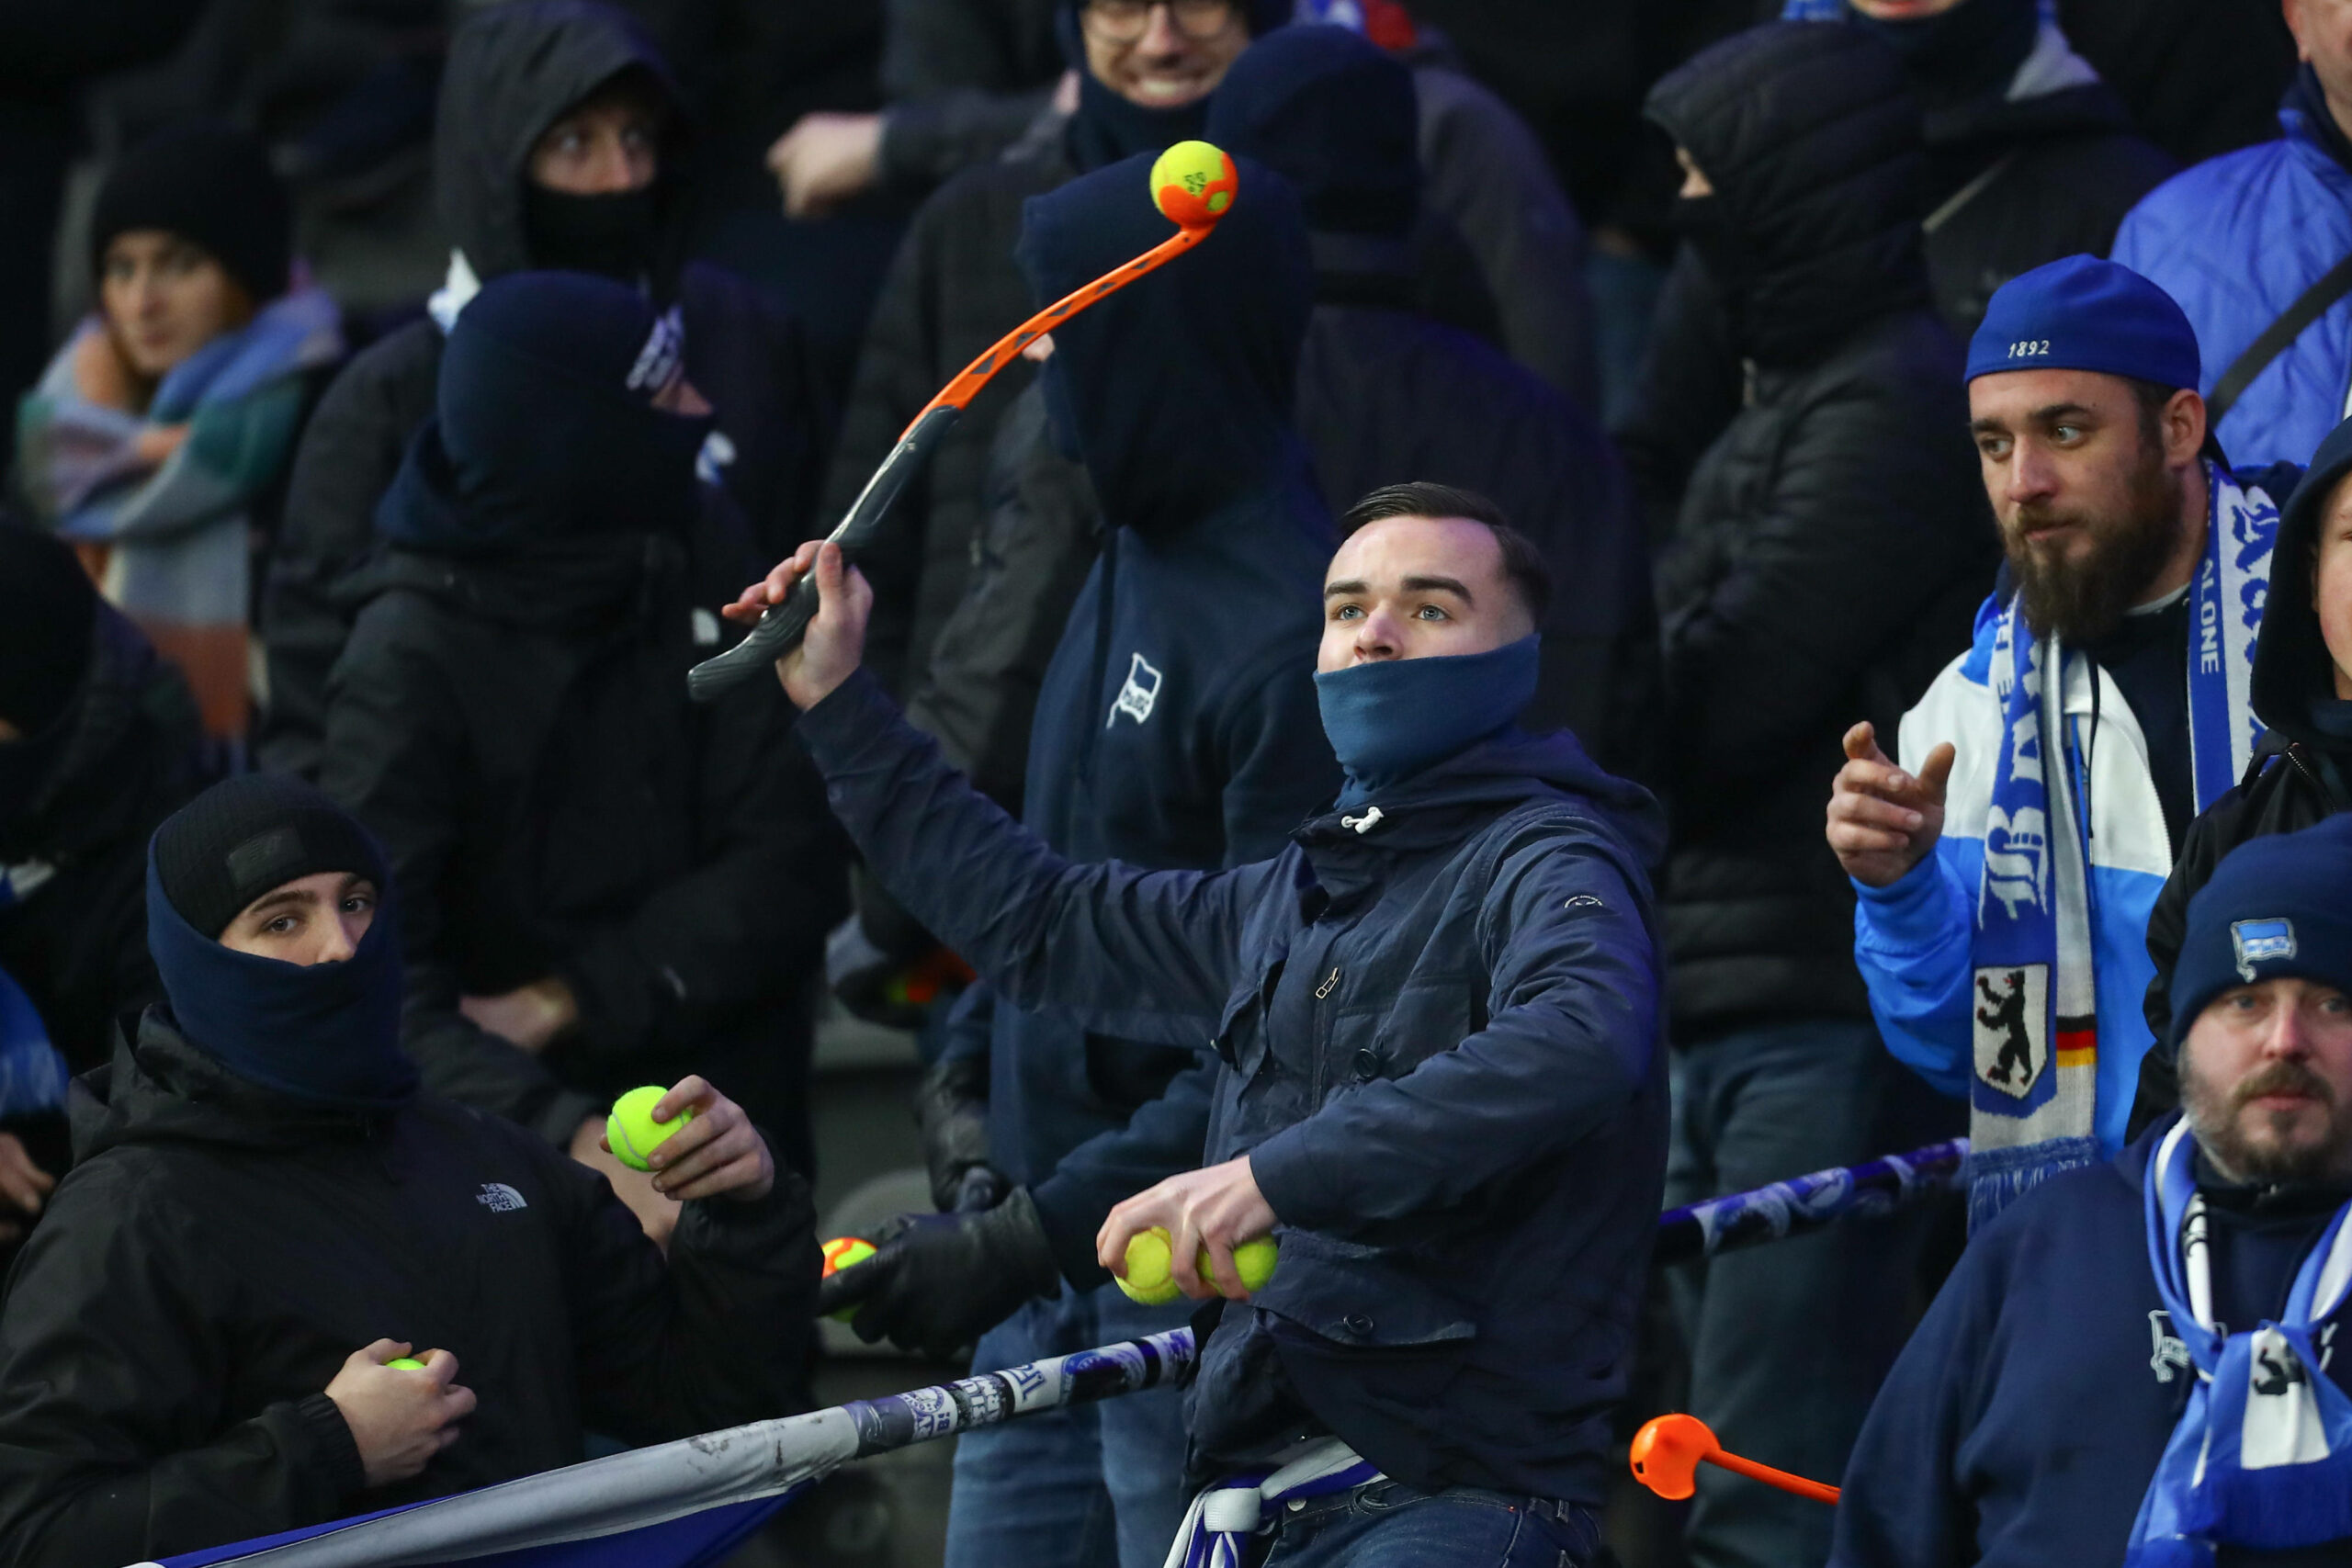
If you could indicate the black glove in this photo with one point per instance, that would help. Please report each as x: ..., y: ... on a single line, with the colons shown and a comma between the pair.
x: 936, y: 1282
x: 952, y: 1108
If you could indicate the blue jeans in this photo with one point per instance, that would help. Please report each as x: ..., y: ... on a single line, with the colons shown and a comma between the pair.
x: 1389, y: 1524
x: 1789, y: 1340
x: 1086, y: 1487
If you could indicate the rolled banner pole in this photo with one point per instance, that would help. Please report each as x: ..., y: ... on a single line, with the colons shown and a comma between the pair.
x: 1804, y: 1203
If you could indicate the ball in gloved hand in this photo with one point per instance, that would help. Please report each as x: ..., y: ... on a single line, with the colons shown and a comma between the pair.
x: 844, y: 1252
x: 633, y: 1131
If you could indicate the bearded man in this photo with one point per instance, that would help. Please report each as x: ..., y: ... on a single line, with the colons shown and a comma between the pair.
x: 2143, y: 1363
x: 2119, y: 646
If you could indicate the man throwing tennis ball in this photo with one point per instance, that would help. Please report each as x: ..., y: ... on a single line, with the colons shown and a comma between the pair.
x: 1438, y: 1012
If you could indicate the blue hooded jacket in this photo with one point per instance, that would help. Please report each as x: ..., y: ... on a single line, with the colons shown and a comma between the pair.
x: 2236, y: 240
x: 1437, y: 1026
x: 1176, y: 726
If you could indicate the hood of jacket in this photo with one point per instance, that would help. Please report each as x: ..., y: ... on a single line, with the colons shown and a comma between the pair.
x: 161, y: 1088
x: 1810, y: 138
x: 1439, y: 807
x: 2292, y: 668
x: 513, y: 71
x: 91, y: 776
x: 1176, y: 391
x: 1336, y: 116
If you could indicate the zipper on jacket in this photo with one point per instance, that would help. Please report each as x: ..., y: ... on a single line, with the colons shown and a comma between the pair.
x: 1329, y: 982
x: 1102, y: 609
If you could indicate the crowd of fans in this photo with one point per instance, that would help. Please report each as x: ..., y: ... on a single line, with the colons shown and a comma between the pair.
x: 1334, y: 744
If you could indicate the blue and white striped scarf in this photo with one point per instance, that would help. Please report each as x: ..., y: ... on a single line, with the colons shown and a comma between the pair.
x: 1220, y: 1529
x: 2262, y: 1456
x: 2033, y: 996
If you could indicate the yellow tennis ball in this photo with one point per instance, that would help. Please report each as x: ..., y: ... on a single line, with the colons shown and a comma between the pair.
x: 844, y: 1252
x: 633, y: 1131
x: 1193, y: 184
x: 405, y: 1364
x: 1147, y: 1279
x: 1253, y: 1259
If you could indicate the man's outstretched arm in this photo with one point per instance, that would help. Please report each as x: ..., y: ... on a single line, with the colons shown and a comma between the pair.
x: 1124, y: 950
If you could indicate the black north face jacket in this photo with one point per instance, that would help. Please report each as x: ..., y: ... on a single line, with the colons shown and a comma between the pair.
x: 218, y: 1250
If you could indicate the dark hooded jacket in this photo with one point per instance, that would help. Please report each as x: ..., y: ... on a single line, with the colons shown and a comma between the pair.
x: 1176, y: 726
x: 2020, y: 170
x: 219, y: 1249
x: 1436, y: 1032
x: 511, y: 719
x: 1833, y: 544
x: 2301, y: 770
x: 513, y: 69
x: 77, y: 803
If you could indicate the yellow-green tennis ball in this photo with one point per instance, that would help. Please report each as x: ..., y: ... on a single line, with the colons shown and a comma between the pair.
x: 1253, y: 1259
x: 844, y: 1252
x: 405, y: 1364
x: 1193, y: 184
x: 633, y: 1131
x: 1149, y: 1278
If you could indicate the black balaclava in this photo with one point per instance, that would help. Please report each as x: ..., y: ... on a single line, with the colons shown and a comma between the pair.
x: 1970, y: 51
x: 1107, y: 126
x: 325, y: 1033
x: 1335, y: 115
x: 513, y: 69
x: 1811, y: 136
x: 2292, y: 689
x: 1177, y: 389
x: 546, y: 431
x: 210, y: 183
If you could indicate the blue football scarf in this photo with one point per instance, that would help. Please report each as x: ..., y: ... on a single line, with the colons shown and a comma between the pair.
x: 1390, y: 720
x: 2262, y: 1456
x: 1218, y: 1528
x: 2033, y: 998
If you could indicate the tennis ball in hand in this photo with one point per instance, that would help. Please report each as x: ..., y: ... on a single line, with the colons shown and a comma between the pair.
x: 1253, y: 1260
x: 405, y: 1364
x: 1193, y: 184
x: 633, y: 1131
x: 844, y: 1252
x: 1147, y: 1279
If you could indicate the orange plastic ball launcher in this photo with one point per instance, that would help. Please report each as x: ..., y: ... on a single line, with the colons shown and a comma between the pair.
x: 1193, y: 185
x: 1669, y: 1451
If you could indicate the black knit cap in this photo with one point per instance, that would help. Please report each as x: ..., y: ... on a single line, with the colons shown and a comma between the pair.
x: 47, y: 612
x: 246, y: 835
x: 210, y: 183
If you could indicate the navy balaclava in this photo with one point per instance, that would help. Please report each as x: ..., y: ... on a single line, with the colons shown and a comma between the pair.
x: 1337, y: 117
x: 1969, y: 52
x: 1107, y: 126
x: 325, y: 1034
x: 1176, y: 391
x: 2293, y: 685
x: 1392, y: 718
x: 547, y: 431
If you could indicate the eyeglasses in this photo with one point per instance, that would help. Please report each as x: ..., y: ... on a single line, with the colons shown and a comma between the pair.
x: 1123, y: 21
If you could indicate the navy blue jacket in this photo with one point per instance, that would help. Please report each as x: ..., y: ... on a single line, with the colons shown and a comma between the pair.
x: 2023, y: 1421
x: 1176, y: 726
x: 1437, y: 1029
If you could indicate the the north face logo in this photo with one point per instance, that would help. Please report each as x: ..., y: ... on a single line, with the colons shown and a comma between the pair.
x: 499, y: 1198
x: 1135, y: 698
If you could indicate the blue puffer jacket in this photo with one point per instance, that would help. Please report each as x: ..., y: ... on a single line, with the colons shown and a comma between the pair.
x: 1438, y: 1026
x: 2236, y: 240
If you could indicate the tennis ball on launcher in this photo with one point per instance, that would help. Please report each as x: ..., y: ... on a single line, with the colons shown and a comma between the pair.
x: 844, y: 1252
x: 1150, y: 1280
x: 633, y: 1131
x: 1193, y: 184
